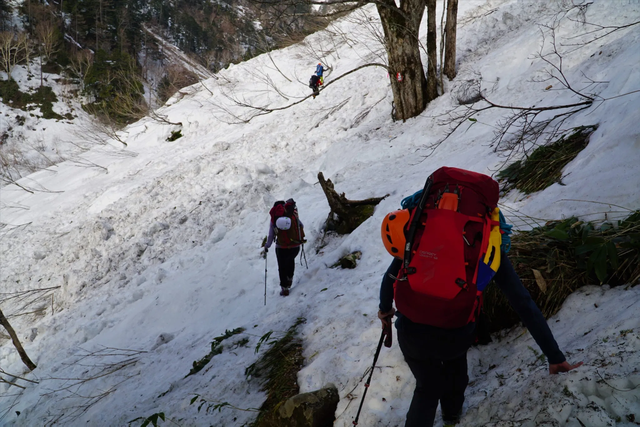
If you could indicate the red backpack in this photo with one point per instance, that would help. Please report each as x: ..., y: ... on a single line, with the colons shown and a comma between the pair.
x: 292, y: 234
x: 452, y: 249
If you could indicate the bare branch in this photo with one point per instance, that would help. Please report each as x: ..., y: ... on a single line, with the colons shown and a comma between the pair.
x: 260, y: 111
x: 598, y: 32
x: 106, y: 364
x: 2, y: 371
x: 16, y: 342
x: 12, y: 46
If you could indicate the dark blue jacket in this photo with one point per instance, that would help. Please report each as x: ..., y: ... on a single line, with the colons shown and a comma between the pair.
x: 319, y: 70
x: 509, y: 283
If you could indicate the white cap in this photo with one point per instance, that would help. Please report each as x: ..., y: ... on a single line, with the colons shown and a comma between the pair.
x: 283, y: 223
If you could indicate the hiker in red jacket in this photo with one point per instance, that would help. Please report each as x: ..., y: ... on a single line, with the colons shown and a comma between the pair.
x: 288, y: 232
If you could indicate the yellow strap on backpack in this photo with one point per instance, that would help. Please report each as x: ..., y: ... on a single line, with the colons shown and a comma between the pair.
x: 495, y: 240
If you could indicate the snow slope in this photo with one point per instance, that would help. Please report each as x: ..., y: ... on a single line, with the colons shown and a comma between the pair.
x: 120, y: 275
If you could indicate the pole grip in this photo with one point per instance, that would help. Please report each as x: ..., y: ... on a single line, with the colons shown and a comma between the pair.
x: 388, y: 333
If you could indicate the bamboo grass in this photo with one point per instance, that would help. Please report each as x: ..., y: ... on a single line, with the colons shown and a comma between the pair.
x: 568, y: 255
x: 543, y: 167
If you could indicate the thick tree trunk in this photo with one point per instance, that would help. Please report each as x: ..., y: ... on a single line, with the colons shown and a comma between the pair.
x: 401, y: 28
x: 16, y: 342
x: 350, y: 213
x: 432, y: 51
x: 450, y: 39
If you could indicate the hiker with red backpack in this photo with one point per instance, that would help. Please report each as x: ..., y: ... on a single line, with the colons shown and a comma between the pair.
x: 317, y: 79
x: 314, y: 84
x: 447, y: 245
x: 286, y: 229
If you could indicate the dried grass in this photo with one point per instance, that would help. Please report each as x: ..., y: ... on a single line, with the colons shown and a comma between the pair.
x: 543, y: 167
x: 567, y: 255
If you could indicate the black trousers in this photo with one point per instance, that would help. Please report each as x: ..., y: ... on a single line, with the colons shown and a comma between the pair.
x: 438, y: 360
x: 286, y: 264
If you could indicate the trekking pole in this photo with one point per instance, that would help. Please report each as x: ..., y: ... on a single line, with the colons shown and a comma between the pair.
x: 303, y: 254
x: 385, y: 331
x: 265, y: 277
x: 305, y: 258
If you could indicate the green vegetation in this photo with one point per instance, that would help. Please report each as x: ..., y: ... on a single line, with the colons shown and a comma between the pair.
x: 108, y: 52
x: 567, y: 392
x: 348, y: 261
x: 117, y: 89
x: 43, y: 98
x: 216, y: 32
x: 278, y: 370
x: 556, y: 259
x: 216, y: 348
x: 216, y: 406
x: 11, y: 95
x: 544, y: 166
x: 150, y: 420
x: 175, y: 135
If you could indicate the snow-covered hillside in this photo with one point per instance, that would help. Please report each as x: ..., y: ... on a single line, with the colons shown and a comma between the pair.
x: 121, y: 271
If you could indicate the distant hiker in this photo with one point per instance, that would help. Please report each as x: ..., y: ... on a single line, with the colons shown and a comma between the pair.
x: 314, y: 84
x: 437, y: 289
x: 319, y: 72
x: 317, y: 79
x: 288, y: 232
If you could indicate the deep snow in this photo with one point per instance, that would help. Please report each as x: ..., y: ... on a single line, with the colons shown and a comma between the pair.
x: 146, y: 257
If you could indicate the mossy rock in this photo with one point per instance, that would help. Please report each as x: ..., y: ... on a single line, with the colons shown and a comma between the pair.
x: 175, y: 135
x: 313, y: 409
x: 348, y: 261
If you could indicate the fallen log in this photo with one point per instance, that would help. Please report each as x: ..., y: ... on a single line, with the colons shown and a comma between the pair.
x: 346, y: 215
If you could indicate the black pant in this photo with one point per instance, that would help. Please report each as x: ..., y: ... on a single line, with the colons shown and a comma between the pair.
x: 286, y: 264
x: 438, y: 360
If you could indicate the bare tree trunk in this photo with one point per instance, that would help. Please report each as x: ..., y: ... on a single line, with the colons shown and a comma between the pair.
x: 432, y: 51
x: 16, y: 342
x: 401, y: 29
x: 350, y: 213
x: 450, y: 39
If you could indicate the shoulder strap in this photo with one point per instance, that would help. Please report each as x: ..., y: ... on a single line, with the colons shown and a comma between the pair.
x: 415, y: 220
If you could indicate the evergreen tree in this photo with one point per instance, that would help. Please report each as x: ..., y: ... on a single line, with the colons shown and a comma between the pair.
x: 114, y: 83
x: 5, y: 15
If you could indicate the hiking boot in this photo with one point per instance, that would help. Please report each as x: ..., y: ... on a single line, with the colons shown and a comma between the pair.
x: 450, y: 421
x: 284, y: 291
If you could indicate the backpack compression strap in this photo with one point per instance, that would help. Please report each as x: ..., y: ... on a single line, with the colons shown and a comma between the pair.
x: 489, y: 263
x: 415, y: 220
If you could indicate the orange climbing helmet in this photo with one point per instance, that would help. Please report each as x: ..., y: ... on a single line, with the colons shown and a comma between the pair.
x: 392, y: 232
